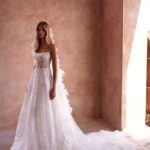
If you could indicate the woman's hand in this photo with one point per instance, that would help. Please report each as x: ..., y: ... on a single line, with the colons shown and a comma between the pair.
x: 52, y: 93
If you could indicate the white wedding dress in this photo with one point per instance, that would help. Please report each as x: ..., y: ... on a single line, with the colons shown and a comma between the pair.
x: 45, y: 124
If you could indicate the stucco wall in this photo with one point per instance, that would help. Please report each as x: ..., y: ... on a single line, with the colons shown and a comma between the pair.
x: 112, y: 61
x: 77, y: 29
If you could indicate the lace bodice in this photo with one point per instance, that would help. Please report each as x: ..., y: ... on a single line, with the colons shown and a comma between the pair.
x: 41, y: 60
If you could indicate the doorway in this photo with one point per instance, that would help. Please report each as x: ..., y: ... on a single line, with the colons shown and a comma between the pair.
x: 147, y: 119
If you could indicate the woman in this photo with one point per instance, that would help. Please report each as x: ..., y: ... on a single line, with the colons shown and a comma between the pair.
x: 45, y: 121
x: 45, y: 44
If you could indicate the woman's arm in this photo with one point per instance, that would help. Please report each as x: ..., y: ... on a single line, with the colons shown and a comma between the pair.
x: 54, y: 64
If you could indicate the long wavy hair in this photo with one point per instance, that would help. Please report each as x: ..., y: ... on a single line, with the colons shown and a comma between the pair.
x: 49, y: 35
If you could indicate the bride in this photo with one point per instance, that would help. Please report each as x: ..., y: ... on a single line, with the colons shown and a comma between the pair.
x: 45, y: 121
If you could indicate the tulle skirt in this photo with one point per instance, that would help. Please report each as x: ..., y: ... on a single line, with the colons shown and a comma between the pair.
x: 45, y: 124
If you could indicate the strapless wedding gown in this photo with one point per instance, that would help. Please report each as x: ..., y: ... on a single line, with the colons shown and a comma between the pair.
x: 45, y: 124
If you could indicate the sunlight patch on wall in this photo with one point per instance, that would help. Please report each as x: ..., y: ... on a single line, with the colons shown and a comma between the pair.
x: 136, y: 74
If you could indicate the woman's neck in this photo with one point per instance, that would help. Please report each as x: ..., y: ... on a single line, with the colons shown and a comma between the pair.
x: 43, y: 42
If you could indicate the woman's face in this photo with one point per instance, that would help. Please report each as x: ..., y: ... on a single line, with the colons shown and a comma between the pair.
x: 41, y: 32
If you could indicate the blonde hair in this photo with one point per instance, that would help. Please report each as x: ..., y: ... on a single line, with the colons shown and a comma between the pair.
x: 49, y: 35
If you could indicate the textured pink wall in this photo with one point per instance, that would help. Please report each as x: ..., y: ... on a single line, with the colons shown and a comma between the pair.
x: 77, y: 29
x: 112, y: 61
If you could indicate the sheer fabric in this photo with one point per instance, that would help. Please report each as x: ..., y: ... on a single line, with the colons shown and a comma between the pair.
x: 45, y: 124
